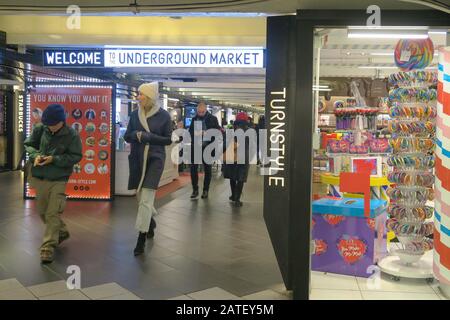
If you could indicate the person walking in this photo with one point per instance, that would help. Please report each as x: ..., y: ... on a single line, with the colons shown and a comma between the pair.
x: 208, y: 121
x: 259, y: 127
x: 149, y: 131
x: 237, y: 172
x: 53, y: 148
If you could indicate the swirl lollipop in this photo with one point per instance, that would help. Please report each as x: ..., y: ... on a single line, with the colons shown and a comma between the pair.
x: 422, y: 51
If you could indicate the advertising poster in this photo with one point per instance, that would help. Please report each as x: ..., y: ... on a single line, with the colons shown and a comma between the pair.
x: 88, y: 110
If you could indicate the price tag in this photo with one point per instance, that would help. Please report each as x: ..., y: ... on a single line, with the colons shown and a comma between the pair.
x: 405, y: 55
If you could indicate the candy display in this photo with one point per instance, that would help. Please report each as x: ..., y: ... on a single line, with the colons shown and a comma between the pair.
x: 410, y: 194
x: 401, y: 212
x: 412, y: 145
x: 412, y: 95
x: 348, y: 145
x: 413, y: 129
x: 409, y: 127
x: 413, y: 53
x: 420, y: 246
x: 354, y: 149
x: 338, y: 104
x: 380, y: 145
x: 356, y: 118
x: 412, y: 111
x: 415, y: 229
x: 412, y: 178
x: 411, y: 161
x: 411, y: 78
x: 338, y: 146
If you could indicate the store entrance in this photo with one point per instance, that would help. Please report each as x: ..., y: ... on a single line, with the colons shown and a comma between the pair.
x: 347, y: 109
x: 375, y: 109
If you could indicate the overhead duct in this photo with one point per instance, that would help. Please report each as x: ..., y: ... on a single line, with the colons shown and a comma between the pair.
x: 438, y: 5
x: 135, y: 7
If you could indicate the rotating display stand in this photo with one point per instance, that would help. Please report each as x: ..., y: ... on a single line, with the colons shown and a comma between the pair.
x: 413, y: 109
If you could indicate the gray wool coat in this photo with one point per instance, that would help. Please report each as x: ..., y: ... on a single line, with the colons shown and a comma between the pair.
x: 160, y: 134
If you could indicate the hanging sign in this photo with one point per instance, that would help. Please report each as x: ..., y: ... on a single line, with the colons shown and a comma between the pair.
x: 156, y: 57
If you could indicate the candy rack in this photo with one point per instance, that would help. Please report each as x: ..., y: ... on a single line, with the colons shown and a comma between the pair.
x: 413, y: 128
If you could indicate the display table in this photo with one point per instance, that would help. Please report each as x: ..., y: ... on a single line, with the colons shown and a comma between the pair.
x: 345, y: 240
x: 122, y: 171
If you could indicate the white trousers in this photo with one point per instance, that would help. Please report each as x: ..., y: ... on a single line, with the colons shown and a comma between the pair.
x: 146, y: 201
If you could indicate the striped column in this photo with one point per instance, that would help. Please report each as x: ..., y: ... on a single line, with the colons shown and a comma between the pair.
x: 441, y: 265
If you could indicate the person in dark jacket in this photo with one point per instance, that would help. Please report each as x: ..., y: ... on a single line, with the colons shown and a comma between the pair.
x: 208, y: 121
x: 149, y: 131
x: 237, y: 172
x: 259, y: 127
x: 53, y: 148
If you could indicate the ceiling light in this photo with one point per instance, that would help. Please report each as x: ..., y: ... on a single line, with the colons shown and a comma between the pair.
x: 376, y: 67
x: 386, y: 33
x: 389, y: 54
x: 320, y: 86
x: 381, y: 53
x: 438, y: 32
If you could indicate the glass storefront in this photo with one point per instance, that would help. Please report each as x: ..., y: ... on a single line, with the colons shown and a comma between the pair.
x: 376, y: 146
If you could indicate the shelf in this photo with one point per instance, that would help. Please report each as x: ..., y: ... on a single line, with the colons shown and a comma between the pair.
x: 330, y: 155
x: 329, y: 178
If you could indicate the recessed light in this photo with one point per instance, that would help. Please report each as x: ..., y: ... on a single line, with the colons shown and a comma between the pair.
x: 386, y: 33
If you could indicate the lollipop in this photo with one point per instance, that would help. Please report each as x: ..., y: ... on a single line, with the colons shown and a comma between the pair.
x: 422, y: 51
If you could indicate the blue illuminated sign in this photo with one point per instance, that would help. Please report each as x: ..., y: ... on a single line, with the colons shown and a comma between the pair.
x: 73, y: 58
x: 157, y: 57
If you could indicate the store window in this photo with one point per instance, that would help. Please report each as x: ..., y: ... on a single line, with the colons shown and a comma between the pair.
x: 375, y: 103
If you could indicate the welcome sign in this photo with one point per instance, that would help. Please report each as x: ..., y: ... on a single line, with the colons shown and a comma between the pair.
x: 156, y: 57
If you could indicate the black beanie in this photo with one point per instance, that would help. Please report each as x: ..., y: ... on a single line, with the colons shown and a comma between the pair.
x: 53, y: 115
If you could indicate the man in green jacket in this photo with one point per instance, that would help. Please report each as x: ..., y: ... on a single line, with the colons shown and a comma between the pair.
x: 53, y: 148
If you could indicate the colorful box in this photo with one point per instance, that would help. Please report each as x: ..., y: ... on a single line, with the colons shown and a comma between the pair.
x: 344, y: 240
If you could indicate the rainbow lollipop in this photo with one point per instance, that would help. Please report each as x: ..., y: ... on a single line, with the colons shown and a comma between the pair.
x: 422, y: 51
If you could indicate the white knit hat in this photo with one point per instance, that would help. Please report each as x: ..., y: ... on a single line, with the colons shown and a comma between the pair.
x: 151, y: 90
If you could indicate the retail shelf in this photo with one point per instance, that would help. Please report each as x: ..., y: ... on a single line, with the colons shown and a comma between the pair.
x: 358, y: 154
x: 334, y: 180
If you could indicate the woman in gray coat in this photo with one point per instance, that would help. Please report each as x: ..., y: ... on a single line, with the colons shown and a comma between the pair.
x: 148, y: 132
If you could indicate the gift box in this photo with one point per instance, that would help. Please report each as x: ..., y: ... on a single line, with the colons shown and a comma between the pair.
x: 345, y: 241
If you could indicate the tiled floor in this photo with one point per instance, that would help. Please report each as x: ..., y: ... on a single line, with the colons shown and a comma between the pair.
x: 328, y: 286
x: 203, y: 249
x: 199, y: 245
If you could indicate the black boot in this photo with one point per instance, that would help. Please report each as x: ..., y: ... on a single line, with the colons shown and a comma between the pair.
x: 205, y: 194
x: 194, y: 194
x: 233, y: 190
x: 140, y: 244
x: 238, y: 193
x: 151, y: 230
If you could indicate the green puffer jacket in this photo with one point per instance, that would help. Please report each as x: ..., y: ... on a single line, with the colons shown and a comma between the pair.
x: 64, y: 146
